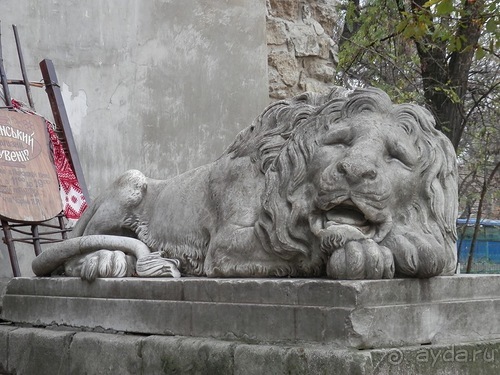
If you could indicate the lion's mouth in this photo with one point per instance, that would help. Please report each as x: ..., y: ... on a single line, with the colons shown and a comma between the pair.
x: 350, y: 220
x: 348, y: 213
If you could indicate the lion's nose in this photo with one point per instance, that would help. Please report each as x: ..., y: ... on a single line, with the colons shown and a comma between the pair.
x: 356, y: 172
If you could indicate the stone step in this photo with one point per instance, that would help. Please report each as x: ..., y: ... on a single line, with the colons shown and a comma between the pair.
x: 26, y: 351
x: 3, y: 286
x: 304, y: 292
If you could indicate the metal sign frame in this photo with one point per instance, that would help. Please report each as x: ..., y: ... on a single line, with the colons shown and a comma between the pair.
x: 38, y: 233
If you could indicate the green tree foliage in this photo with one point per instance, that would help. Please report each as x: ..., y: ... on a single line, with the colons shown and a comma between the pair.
x: 420, y: 50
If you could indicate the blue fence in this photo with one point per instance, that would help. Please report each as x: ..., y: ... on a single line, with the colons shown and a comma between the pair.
x: 486, y: 257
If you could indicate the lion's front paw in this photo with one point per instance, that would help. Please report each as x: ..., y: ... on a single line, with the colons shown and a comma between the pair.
x: 361, y: 260
x: 417, y: 255
x: 102, y: 263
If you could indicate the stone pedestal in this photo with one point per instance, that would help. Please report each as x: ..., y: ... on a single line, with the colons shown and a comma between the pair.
x: 355, y: 314
x: 245, y: 326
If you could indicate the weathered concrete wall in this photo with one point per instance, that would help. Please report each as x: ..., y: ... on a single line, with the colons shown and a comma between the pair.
x: 302, y: 46
x: 159, y: 86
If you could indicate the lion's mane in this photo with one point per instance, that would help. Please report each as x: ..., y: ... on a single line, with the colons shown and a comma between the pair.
x: 280, y: 141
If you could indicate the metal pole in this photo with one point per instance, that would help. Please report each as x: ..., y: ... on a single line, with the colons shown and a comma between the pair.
x: 26, y: 82
x: 12, y: 250
x: 61, y: 118
x: 3, y: 76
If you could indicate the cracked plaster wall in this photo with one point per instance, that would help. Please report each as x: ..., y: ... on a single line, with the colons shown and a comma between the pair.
x: 160, y: 86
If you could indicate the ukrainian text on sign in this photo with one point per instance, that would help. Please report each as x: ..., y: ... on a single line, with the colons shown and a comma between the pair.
x: 29, y: 190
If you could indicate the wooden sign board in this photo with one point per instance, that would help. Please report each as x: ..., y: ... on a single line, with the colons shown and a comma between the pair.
x: 29, y: 189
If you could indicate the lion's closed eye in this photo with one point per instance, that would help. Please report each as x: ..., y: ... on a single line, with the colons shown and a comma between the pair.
x: 399, y: 153
x: 342, y: 136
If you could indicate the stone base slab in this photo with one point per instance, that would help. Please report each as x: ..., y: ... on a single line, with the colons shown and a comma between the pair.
x: 347, y: 314
x: 26, y: 351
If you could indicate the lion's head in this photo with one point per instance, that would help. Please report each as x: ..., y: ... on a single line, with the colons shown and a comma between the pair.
x: 355, y: 167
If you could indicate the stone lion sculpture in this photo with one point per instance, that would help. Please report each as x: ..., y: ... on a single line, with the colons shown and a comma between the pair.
x: 347, y: 185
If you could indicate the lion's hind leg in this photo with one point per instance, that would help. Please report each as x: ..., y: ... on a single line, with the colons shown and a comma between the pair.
x: 102, y: 263
x: 108, y: 213
x: 115, y: 263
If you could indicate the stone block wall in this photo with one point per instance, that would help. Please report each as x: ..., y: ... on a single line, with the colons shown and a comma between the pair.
x: 35, y: 351
x: 301, y: 47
